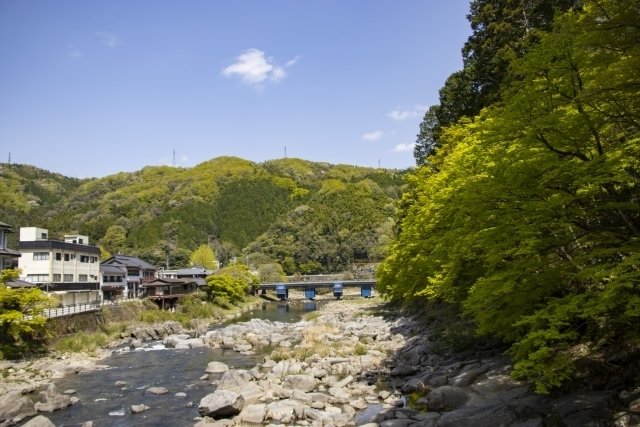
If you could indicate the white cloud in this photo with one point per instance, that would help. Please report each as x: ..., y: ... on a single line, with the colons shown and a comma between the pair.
x: 109, y: 39
x: 293, y: 61
x: 373, y: 136
x: 253, y: 67
x: 399, y: 114
x: 74, y: 52
x: 401, y: 148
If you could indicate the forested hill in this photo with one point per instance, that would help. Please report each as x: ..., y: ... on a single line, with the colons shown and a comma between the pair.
x: 309, y: 217
x: 526, y: 211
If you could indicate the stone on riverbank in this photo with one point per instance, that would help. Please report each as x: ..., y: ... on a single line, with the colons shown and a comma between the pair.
x: 157, y: 390
x: 14, y: 407
x: 51, y: 400
x: 136, y: 409
x: 216, y: 368
x: 221, y: 403
x: 39, y: 421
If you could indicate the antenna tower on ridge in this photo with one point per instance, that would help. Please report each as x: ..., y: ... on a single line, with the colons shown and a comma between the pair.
x: 9, y: 157
x: 285, y: 151
x: 174, y: 158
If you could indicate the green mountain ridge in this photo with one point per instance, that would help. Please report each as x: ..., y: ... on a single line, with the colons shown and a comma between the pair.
x: 310, y: 217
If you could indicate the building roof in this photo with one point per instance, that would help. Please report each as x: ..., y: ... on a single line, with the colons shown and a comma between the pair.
x: 7, y: 227
x: 17, y: 283
x: 9, y: 252
x: 57, y: 244
x: 112, y: 269
x: 166, y: 281
x: 129, y: 261
x: 193, y: 271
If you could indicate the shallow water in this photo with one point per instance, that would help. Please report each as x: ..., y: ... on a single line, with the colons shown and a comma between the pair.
x: 178, y: 370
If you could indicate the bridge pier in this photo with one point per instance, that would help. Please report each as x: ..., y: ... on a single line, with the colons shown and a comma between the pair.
x: 310, y: 293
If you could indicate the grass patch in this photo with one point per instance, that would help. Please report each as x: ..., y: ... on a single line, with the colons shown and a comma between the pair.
x: 360, y: 349
x: 82, y: 342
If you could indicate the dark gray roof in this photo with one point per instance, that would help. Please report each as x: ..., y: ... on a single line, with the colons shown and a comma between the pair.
x: 17, y: 283
x: 10, y: 252
x: 129, y: 261
x: 5, y: 225
x: 112, y: 269
x: 193, y: 271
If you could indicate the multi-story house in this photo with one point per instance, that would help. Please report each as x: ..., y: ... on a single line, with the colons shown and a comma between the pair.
x: 138, y: 272
x: 113, y: 282
x: 8, y: 256
x: 69, y: 269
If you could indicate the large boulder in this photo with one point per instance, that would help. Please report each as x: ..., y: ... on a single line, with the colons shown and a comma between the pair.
x: 51, y: 400
x: 300, y: 382
x: 446, y: 398
x: 15, y: 407
x: 235, y: 379
x: 253, y: 414
x: 39, y: 421
x: 221, y: 404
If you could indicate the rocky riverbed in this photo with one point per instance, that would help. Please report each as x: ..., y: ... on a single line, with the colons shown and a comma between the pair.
x: 351, y: 363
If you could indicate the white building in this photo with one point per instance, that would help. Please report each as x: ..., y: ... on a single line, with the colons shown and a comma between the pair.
x: 68, y: 269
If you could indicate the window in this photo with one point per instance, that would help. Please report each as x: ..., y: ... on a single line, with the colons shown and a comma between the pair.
x: 37, y: 278
x: 80, y: 241
x: 58, y: 256
x: 43, y: 236
x: 82, y: 278
x: 94, y: 259
x: 68, y: 277
x: 57, y: 278
x: 84, y: 258
x: 40, y: 256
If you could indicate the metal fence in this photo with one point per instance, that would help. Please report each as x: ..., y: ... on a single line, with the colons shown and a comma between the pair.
x: 76, y: 308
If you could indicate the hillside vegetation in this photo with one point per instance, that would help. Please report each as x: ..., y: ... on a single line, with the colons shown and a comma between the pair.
x: 308, y: 217
x: 526, y: 213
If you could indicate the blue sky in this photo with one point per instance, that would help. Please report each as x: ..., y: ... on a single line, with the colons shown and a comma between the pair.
x: 90, y: 88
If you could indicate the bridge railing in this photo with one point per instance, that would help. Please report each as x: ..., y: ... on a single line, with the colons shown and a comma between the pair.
x: 76, y: 308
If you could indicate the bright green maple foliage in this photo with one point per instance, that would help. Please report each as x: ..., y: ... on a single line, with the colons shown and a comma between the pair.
x: 529, y: 216
x: 22, y: 324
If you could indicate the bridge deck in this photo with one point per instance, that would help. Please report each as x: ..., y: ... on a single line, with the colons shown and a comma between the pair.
x: 308, y: 284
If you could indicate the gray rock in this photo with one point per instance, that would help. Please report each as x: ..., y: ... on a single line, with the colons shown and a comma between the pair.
x: 397, y: 422
x: 14, y: 406
x: 216, y: 368
x: 285, y: 411
x: 468, y: 375
x: 446, y: 398
x: 221, y: 403
x: 39, y: 421
x: 181, y: 394
x: 136, y: 409
x: 157, y: 390
x: 300, y: 382
x: 235, y: 379
x: 51, y: 400
x: 585, y: 409
x: 253, y: 414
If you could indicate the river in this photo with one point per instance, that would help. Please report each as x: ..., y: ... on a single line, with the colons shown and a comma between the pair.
x: 107, y: 404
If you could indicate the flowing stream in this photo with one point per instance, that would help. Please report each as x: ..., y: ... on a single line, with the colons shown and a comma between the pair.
x: 107, y: 404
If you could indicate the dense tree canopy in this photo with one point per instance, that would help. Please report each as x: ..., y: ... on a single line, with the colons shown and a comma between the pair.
x: 529, y: 215
x: 502, y: 32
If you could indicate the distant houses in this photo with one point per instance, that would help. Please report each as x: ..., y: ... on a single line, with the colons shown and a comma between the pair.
x: 137, y: 273
x: 71, y: 271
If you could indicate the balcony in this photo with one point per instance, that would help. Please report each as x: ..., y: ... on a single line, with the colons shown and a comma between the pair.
x: 69, y: 286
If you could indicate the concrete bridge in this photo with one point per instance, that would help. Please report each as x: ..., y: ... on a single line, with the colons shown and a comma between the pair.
x: 282, y: 289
